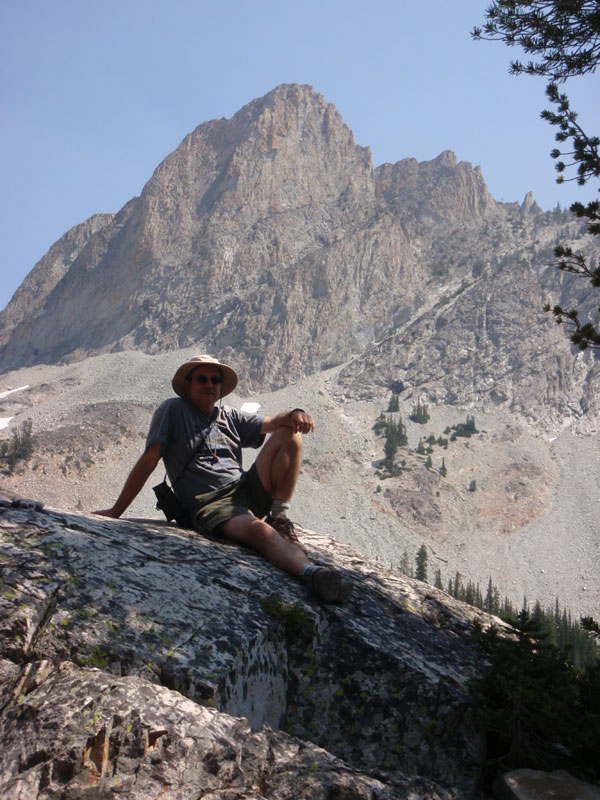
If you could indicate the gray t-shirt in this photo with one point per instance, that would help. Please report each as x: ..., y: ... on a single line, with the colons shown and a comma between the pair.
x: 218, y: 441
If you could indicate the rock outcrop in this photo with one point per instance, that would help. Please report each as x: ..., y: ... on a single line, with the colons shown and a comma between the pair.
x: 442, y: 189
x: 31, y: 296
x: 531, y: 784
x: 130, y: 650
x: 230, y: 241
x: 485, y: 345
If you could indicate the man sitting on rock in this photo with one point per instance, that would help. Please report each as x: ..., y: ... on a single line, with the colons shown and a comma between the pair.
x: 201, y: 445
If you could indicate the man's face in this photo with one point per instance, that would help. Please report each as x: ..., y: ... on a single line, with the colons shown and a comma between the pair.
x: 204, y: 387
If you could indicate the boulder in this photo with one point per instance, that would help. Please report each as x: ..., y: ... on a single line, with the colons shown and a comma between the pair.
x: 142, y: 659
x: 531, y: 784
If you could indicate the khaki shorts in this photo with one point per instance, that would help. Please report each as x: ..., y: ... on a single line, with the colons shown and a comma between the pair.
x: 244, y: 496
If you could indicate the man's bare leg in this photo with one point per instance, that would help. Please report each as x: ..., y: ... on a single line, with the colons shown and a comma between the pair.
x: 328, y: 584
x: 278, y: 466
x: 278, y: 463
x: 258, y: 534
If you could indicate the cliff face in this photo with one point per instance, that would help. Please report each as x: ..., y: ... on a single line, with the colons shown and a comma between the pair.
x: 441, y: 189
x: 29, y: 299
x: 229, y: 245
x: 130, y: 649
x: 486, y: 344
x: 269, y: 239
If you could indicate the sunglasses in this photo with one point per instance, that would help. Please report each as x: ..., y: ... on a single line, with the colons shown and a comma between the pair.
x: 216, y: 380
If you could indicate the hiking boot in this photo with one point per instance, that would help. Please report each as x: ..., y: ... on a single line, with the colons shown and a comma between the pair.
x: 285, y: 528
x: 330, y: 585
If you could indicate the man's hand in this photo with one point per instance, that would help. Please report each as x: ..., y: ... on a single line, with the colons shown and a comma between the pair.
x: 297, y: 419
x: 133, y: 485
x: 301, y: 422
x: 107, y: 512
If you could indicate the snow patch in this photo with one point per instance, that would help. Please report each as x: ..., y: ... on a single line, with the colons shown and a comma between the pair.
x: 11, y: 391
x: 250, y: 408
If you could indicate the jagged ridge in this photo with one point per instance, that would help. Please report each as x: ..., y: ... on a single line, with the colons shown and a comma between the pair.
x: 268, y: 238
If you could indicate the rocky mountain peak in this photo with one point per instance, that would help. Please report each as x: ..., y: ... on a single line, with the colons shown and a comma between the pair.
x: 446, y: 159
x: 270, y: 239
x: 278, y: 153
x: 442, y: 188
x: 529, y: 205
x: 239, y: 204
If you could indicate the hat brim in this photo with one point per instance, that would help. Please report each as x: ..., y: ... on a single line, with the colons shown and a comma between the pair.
x: 180, y: 383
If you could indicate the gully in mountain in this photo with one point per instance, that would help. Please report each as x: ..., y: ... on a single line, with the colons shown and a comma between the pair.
x: 201, y: 441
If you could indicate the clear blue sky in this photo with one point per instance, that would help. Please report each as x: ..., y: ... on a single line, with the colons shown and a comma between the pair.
x: 95, y: 94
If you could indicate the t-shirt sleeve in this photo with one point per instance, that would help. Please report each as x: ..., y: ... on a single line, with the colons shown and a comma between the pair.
x: 159, y: 426
x: 248, y: 428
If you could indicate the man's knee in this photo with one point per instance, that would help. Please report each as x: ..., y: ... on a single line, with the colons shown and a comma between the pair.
x: 261, y: 533
x: 278, y: 463
x: 249, y: 530
x: 285, y: 437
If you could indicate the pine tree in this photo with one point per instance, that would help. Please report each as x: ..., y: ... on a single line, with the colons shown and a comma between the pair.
x: 458, y: 590
x: 470, y: 424
x: 538, y: 712
x: 405, y: 565
x: 379, y: 425
x: 506, y: 611
x: 537, y: 615
x: 564, y: 37
x: 489, y: 598
x: 496, y: 601
x: 557, y: 616
x: 421, y: 562
x: 478, y: 597
x: 469, y: 593
x: 21, y: 446
x: 394, y: 404
x: 420, y: 413
x: 390, y: 447
x: 396, y: 432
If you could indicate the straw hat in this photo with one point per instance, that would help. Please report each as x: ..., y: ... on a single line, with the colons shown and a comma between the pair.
x: 180, y: 384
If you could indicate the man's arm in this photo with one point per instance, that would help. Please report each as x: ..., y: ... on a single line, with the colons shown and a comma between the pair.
x: 138, y: 476
x: 299, y: 421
